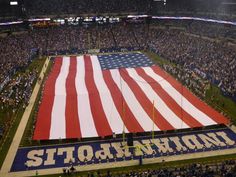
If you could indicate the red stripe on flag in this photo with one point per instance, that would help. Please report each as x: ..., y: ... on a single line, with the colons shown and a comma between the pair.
x: 160, y: 122
x: 129, y: 120
x: 99, y: 116
x: 43, y: 124
x: 217, y: 117
x: 72, y: 118
x: 170, y: 102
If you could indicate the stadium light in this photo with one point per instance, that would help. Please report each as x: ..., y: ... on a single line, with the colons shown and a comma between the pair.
x: 13, y: 3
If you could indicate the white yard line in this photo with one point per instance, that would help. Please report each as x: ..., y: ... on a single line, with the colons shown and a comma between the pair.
x: 20, y: 130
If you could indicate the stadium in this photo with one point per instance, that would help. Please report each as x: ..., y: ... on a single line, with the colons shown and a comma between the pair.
x: 118, y: 88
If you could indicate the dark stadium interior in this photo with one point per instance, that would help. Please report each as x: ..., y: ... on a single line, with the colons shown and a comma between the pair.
x: 192, y: 40
x: 98, y: 7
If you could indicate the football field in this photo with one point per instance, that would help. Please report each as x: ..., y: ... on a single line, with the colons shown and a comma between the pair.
x: 90, y: 96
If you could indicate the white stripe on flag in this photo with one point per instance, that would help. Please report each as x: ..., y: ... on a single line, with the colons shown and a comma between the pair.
x: 114, y: 119
x: 87, y: 125
x: 160, y: 105
x: 144, y: 120
x: 180, y: 99
x: 58, y: 124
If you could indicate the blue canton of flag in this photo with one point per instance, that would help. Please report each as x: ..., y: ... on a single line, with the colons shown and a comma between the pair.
x: 130, y: 60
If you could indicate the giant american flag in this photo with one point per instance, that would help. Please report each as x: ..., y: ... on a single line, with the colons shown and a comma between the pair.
x: 90, y: 96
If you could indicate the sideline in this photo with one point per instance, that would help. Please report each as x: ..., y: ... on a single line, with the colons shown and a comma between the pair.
x: 21, y: 128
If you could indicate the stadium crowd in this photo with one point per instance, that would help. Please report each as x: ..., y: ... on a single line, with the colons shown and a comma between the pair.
x: 16, y: 84
x: 221, y: 169
x: 205, y: 58
x: 192, y: 57
x: 212, y: 30
x: 14, y: 53
x: 208, y: 59
x: 18, y: 90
